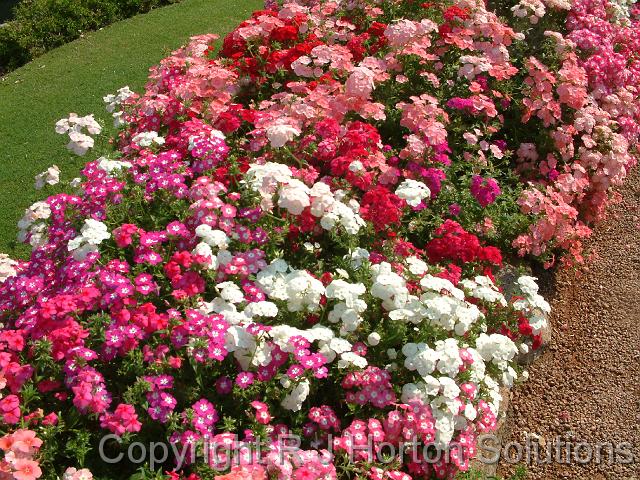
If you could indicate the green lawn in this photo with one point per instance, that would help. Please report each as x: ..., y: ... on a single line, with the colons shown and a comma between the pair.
x: 74, y: 78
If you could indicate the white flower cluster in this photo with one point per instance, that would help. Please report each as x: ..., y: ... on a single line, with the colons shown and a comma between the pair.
x: 7, y: 267
x: 74, y: 126
x: 230, y: 292
x: 261, y: 309
x: 51, y: 176
x: 328, y: 206
x: 441, y: 366
x: 294, y: 400
x: 112, y: 166
x: 294, y: 196
x: 413, y: 192
x: 243, y: 345
x: 250, y: 350
x: 416, y: 266
x: 146, y: 139
x: 32, y: 227
x: 303, y: 292
x: 92, y: 234
x: 499, y: 350
x: 439, y: 385
x: 425, y: 360
x: 446, y: 305
x: 213, y: 239
x: 349, y: 309
x: 265, y: 180
x: 114, y: 101
x: 483, y: 288
x: 420, y: 358
x: 388, y: 286
x: 357, y: 257
x: 298, y: 288
x: 440, y: 304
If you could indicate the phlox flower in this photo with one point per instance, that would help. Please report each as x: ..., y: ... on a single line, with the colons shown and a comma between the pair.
x: 80, y: 142
x: 244, y: 472
x: 413, y: 192
x: 244, y: 380
x: 294, y: 196
x: 112, y: 166
x: 115, y: 100
x: 10, y: 409
x: 68, y: 124
x: 123, y: 419
x: 360, y: 82
x: 51, y: 176
x: 294, y: 399
x: 290, y: 238
x: 146, y: 139
x: 224, y: 385
x: 485, y: 190
x: 279, y: 135
x: 25, y: 469
x: 72, y: 473
x: 7, y: 267
x: 92, y: 234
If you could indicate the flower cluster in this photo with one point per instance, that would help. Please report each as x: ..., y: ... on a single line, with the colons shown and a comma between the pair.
x: 74, y: 127
x: 19, y: 449
x: 302, y: 233
x: 114, y: 101
x: 51, y: 176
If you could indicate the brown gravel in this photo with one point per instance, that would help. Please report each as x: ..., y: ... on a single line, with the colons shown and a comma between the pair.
x: 587, y: 386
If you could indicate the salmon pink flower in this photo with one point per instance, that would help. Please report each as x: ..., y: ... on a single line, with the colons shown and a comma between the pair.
x: 25, y: 469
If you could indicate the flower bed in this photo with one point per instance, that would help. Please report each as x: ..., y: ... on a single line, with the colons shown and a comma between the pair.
x: 299, y: 236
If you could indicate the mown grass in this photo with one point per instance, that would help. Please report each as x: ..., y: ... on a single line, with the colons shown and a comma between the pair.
x: 74, y: 78
x: 473, y: 474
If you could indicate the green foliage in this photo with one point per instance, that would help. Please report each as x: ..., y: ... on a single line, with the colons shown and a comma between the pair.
x: 6, y: 9
x: 79, y: 446
x: 11, y: 52
x: 41, y: 25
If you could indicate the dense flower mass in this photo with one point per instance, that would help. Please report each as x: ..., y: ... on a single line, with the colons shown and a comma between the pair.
x: 301, y: 234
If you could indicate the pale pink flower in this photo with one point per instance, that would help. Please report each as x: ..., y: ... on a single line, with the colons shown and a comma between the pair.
x: 360, y: 83
x: 279, y: 135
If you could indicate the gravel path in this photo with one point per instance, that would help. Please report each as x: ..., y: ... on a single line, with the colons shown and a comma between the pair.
x: 587, y: 386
